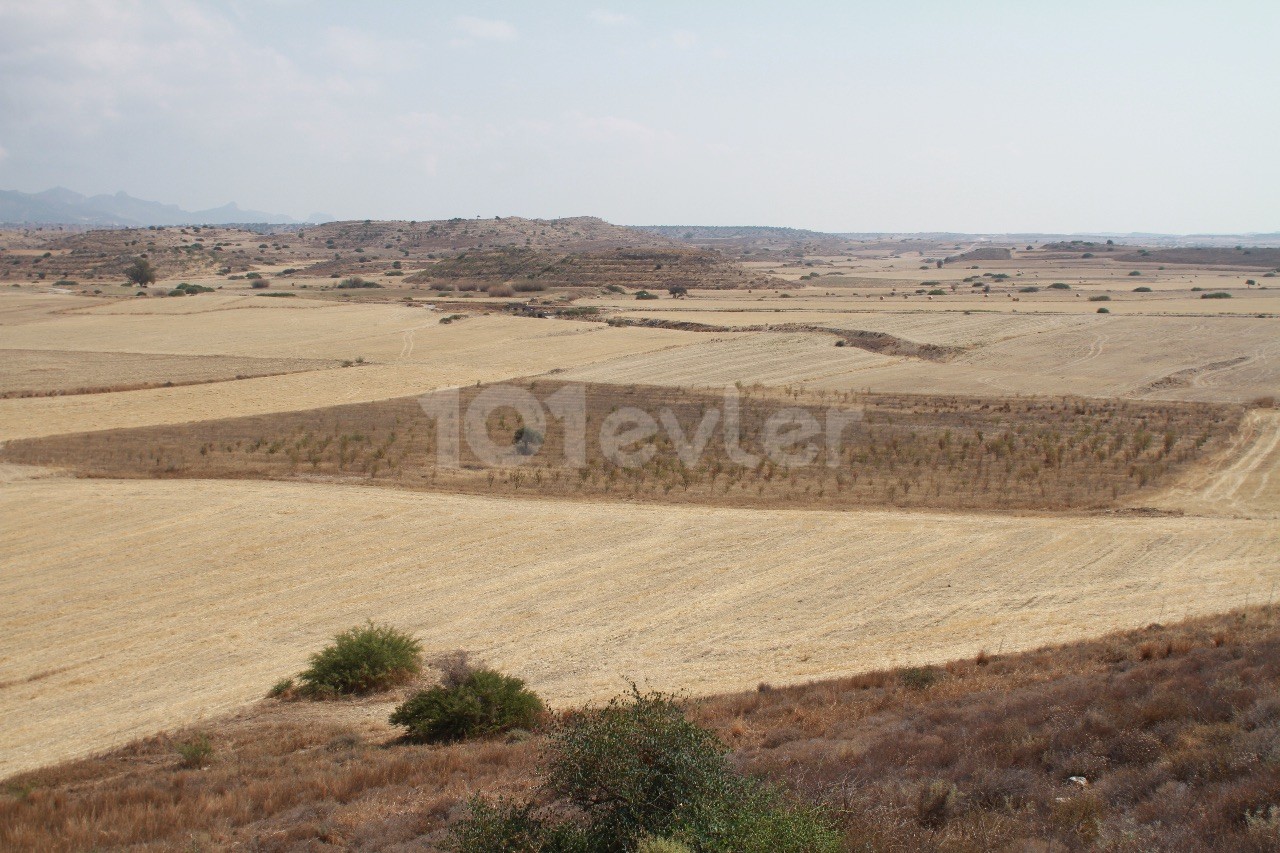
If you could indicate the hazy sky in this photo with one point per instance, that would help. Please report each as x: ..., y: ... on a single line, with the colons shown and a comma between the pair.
x: 967, y: 116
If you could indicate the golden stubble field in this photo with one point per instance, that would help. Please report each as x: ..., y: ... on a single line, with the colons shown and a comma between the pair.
x: 140, y: 605
x: 156, y: 603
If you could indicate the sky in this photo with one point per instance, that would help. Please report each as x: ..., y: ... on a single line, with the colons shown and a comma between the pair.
x: 977, y: 116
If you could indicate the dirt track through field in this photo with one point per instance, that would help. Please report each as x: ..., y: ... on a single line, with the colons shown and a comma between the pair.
x: 1244, y: 481
x: 162, y: 602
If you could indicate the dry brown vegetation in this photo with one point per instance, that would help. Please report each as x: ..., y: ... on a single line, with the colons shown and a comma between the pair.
x: 905, y: 450
x: 1172, y: 735
x: 528, y: 270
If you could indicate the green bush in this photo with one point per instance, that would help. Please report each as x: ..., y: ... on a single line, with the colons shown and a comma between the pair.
x: 644, y: 294
x: 1059, y: 285
x: 1135, y: 272
x: 1102, y: 297
x: 510, y: 827
x: 356, y: 283
x: 640, y: 776
x: 1142, y: 289
x: 1029, y: 289
x: 918, y: 677
x: 937, y: 291
x: 282, y: 689
x: 631, y: 764
x: 1219, y: 294
x: 361, y: 660
x: 1104, y: 310
x: 482, y: 703
x: 196, y: 752
x: 754, y: 818
x: 140, y: 272
x: 661, y: 845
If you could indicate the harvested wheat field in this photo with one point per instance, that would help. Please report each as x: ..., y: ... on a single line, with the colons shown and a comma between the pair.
x: 49, y: 373
x: 480, y: 349
x: 1177, y: 358
x: 578, y: 597
x: 269, y: 328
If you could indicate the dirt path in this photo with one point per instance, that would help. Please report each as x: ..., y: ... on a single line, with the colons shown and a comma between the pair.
x: 1238, y: 482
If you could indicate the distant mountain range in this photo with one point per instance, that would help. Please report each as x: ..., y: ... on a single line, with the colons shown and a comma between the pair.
x: 61, y: 206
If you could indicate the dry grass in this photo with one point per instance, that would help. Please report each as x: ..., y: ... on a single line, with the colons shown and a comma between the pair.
x: 1174, y: 730
x: 905, y: 451
x: 1163, y: 739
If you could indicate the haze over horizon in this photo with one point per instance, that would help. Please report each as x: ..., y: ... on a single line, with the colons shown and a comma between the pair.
x: 991, y: 117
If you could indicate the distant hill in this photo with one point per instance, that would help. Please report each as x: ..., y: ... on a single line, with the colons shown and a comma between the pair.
x: 700, y: 233
x: 61, y: 206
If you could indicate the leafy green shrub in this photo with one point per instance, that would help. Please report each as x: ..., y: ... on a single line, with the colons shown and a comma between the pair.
x: 361, y: 660
x: 140, y: 272
x: 1029, y: 289
x: 1101, y: 297
x: 1104, y: 310
x: 510, y: 827
x: 644, y: 294
x: 661, y: 845
x: 643, y: 777
x: 615, y: 288
x: 253, y: 275
x: 1142, y: 289
x: 918, y: 677
x: 282, y: 689
x: 196, y: 752
x: 1135, y: 272
x: 260, y: 284
x: 1059, y: 285
x: 356, y: 283
x: 633, y: 763
x: 483, y: 703
x: 1218, y: 294
x: 754, y: 818
x: 937, y: 291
